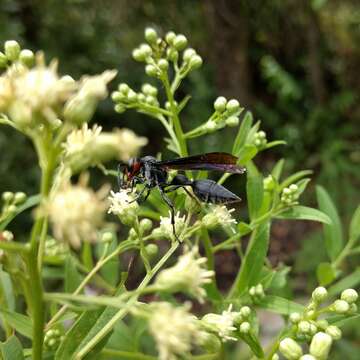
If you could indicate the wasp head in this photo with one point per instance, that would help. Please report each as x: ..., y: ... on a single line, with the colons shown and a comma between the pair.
x: 126, y: 172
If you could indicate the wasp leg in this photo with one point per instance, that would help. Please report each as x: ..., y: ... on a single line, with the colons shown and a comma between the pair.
x: 172, y: 209
x: 138, y: 196
x: 174, y: 187
x: 120, y: 176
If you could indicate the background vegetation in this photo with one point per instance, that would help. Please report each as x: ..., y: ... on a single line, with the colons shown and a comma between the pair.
x: 293, y: 63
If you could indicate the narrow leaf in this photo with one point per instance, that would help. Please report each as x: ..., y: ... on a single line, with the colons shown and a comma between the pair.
x: 254, y: 344
x: 325, y: 274
x: 12, y: 349
x: 72, y: 276
x: 254, y: 190
x: 294, y: 178
x: 347, y: 282
x: 280, y: 305
x: 304, y: 213
x: 277, y: 169
x: 21, y: 323
x: 246, y: 153
x: 354, y: 231
x: 333, y: 232
x: 6, y: 291
x: 253, y: 262
x: 242, y: 133
x: 275, y: 143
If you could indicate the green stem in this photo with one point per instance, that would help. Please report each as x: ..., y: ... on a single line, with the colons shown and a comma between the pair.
x: 344, y: 253
x: 175, y: 118
x: 123, y: 312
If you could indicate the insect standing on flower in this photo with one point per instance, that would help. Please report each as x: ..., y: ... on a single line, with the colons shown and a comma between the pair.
x: 154, y: 174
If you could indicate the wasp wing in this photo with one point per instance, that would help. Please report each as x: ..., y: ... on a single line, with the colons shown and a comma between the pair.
x: 217, y: 161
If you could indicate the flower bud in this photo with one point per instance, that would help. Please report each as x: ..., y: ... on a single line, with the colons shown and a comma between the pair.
x: 151, y: 70
x: 195, y: 62
x: 7, y: 235
x: 269, y: 183
x: 304, y: 327
x: 11, y: 210
x: 120, y: 108
x: 232, y: 121
x: 245, y: 327
x: 146, y: 50
x: 151, y: 35
x: 12, y: 50
x: 307, y: 357
x: 290, y: 349
x: 334, y: 332
x: 151, y: 249
x: 170, y: 37
x: 138, y: 55
x: 180, y: 42
x: 210, y: 126
x: 340, y: 306
x: 172, y: 54
x: 132, y: 96
x: 259, y: 290
x: 320, y: 293
x: 188, y: 54
x: 148, y: 89
x: 245, y: 311
x: 7, y: 196
x: 27, y: 57
x: 146, y: 225
x: 106, y: 237
x: 353, y: 309
x: 293, y: 187
x: 3, y: 60
x: 163, y: 64
x: 220, y: 104
x: 124, y: 88
x: 232, y: 105
x: 132, y: 234
x: 19, y: 198
x: 349, y: 295
x: 322, y: 324
x: 275, y: 357
x: 295, y: 317
x: 320, y: 345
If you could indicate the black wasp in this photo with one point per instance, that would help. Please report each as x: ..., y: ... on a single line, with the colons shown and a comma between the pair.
x: 154, y: 174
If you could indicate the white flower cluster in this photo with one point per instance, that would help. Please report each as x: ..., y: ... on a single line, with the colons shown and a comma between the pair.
x: 123, y: 205
x: 166, y: 228
x: 77, y: 212
x: 218, y: 215
x: 188, y: 275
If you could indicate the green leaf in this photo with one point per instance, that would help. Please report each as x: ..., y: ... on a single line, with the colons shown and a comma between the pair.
x: 294, y: 178
x: 250, y: 271
x: 347, y: 282
x: 247, y: 152
x: 12, y: 349
x: 325, y: 274
x: 274, y: 143
x: 7, y: 296
x: 302, y: 184
x: 304, y: 213
x: 110, y: 271
x: 30, y: 202
x: 242, y: 134
x: 354, y: 231
x: 333, y: 232
x: 244, y: 228
x: 254, y: 344
x: 280, y: 305
x: 254, y: 190
x: 21, y: 323
x: 72, y: 276
x: 277, y: 169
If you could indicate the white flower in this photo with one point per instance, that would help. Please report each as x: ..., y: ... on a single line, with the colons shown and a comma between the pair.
x: 320, y: 345
x: 219, y: 215
x: 166, y: 228
x: 128, y: 143
x: 222, y: 324
x: 174, y: 329
x: 189, y: 274
x: 79, y: 139
x: 77, y: 212
x: 122, y: 205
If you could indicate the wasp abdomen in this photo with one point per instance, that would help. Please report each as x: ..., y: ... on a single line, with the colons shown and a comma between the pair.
x: 209, y: 191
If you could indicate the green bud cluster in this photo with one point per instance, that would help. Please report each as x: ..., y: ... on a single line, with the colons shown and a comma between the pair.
x: 257, y: 292
x: 54, y: 247
x: 53, y: 338
x: 125, y: 97
x: 269, y: 183
x: 11, y: 201
x: 260, y: 140
x: 290, y: 195
x: 13, y: 52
